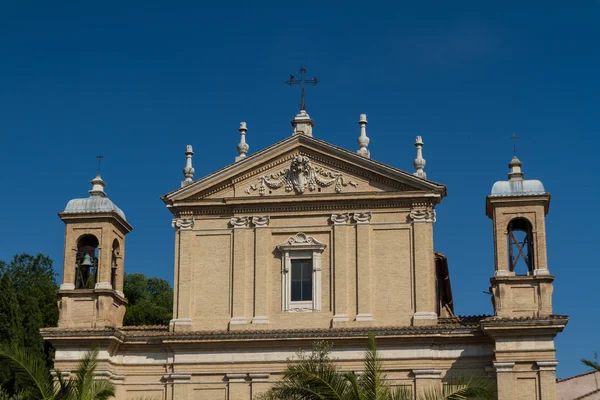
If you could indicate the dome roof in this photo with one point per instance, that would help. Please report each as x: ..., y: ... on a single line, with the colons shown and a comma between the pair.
x: 516, y: 188
x: 93, y: 205
x: 516, y: 185
x: 96, y: 203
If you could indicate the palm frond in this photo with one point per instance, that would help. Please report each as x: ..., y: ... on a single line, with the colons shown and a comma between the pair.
x: 28, y: 367
x: 463, y: 388
x: 594, y: 364
x: 401, y: 393
x: 372, y: 381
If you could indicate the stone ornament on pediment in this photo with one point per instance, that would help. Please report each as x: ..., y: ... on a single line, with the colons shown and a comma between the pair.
x: 339, y: 219
x: 301, y: 240
x: 261, y: 222
x: 422, y: 215
x: 183, y: 223
x: 362, y: 217
x: 300, y: 177
x: 239, y: 222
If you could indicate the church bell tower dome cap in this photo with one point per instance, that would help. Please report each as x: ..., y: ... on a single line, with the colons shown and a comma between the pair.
x: 96, y: 203
x: 516, y: 185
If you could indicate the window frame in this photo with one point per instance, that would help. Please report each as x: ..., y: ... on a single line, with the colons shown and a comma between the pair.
x: 298, y: 247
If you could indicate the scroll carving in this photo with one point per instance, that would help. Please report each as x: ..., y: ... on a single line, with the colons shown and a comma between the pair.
x: 239, y: 222
x: 300, y: 177
x: 422, y: 215
x: 182, y: 223
x: 261, y: 222
x: 362, y: 218
x: 339, y: 219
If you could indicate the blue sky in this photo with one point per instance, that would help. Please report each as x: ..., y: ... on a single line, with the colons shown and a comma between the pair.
x: 139, y: 81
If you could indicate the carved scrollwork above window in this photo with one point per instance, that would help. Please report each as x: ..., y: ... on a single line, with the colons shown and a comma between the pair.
x: 300, y: 177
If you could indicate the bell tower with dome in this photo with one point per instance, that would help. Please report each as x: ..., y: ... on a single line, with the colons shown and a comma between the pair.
x: 91, y: 293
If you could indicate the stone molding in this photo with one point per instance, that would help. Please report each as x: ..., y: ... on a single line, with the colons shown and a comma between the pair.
x: 427, y: 373
x: 67, y: 286
x: 547, y: 365
x: 260, y: 320
x: 363, y: 317
x: 504, y: 366
x: 178, y: 377
x: 259, y: 376
x: 300, y: 177
x: 236, y: 377
x: 183, y: 223
x: 238, y: 321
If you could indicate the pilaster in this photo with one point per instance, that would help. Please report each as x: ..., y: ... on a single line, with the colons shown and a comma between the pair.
x: 363, y: 266
x: 506, y: 380
x: 341, y: 270
x: 261, y: 264
x: 547, y: 371
x: 424, y: 266
x: 426, y: 380
x: 242, y: 245
x: 183, y: 290
x: 238, y: 387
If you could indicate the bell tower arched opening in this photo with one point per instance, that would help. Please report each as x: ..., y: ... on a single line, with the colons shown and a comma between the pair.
x: 520, y: 246
x: 114, y: 263
x: 86, y: 269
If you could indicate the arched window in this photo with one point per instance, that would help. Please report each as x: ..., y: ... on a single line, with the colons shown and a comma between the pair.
x: 87, y: 262
x: 520, y: 245
x: 114, y: 263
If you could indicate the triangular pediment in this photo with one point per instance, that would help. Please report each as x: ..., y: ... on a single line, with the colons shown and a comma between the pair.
x: 302, y: 166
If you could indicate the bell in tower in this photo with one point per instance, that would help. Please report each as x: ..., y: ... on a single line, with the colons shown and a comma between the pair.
x: 91, y: 293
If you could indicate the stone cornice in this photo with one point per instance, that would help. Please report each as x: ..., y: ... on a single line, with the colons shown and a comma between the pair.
x: 106, y: 216
x: 318, y: 150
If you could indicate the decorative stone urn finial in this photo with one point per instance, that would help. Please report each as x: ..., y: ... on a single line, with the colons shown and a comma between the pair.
x: 419, y: 162
x: 242, y: 146
x: 363, y: 140
x: 188, y: 171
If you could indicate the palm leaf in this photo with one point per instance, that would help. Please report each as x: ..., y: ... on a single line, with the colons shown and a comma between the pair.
x: 594, y: 364
x: 372, y: 381
x: 28, y: 367
x: 463, y: 388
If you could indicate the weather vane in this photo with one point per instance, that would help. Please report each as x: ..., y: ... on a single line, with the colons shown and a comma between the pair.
x: 99, y: 157
x: 514, y: 139
x: 302, y: 81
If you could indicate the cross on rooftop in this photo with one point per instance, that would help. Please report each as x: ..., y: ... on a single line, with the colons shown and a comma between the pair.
x: 514, y: 139
x: 302, y: 81
x: 99, y: 157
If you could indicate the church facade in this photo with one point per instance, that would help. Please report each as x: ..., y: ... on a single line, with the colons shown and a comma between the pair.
x: 300, y: 242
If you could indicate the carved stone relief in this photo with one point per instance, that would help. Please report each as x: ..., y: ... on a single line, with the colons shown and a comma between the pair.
x: 339, y: 219
x: 261, y: 222
x: 421, y: 215
x: 299, y: 177
x: 362, y: 217
x: 239, y: 222
x: 182, y: 223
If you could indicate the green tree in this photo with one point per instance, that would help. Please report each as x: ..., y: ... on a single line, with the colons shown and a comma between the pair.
x: 34, y: 281
x: 10, y: 328
x: 316, y: 377
x: 150, y: 300
x: 34, y: 276
x: 41, y: 384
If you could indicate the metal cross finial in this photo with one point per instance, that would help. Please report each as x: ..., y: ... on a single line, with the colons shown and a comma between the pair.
x: 99, y: 157
x: 514, y: 139
x: 302, y: 81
